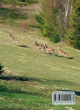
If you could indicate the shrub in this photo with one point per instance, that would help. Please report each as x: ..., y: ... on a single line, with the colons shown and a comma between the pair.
x: 1, y: 69
x: 77, y: 41
x: 48, y: 30
x: 47, y: 21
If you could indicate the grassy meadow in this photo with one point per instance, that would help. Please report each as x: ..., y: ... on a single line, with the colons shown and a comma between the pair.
x: 30, y: 75
x: 19, y: 2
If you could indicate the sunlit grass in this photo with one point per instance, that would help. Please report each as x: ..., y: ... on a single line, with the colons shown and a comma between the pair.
x: 31, y: 76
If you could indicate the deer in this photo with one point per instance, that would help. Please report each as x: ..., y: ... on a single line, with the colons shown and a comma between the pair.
x: 49, y: 50
x: 61, y: 52
x: 39, y: 46
x: 13, y: 38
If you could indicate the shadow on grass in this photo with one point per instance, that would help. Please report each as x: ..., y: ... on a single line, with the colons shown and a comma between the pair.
x: 13, y: 14
x: 11, y: 92
x: 60, y: 56
x: 19, y: 78
x: 77, y: 93
x: 43, y: 81
x: 24, y: 46
x: 3, y: 88
x: 49, y: 53
x: 64, y: 57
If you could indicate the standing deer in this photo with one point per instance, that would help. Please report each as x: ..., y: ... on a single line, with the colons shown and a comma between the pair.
x: 61, y: 52
x: 13, y: 39
x: 49, y: 50
x: 39, y: 46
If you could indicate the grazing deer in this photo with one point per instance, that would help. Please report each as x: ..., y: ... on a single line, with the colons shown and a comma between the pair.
x: 39, y: 46
x: 61, y: 52
x: 49, y: 50
x: 13, y: 39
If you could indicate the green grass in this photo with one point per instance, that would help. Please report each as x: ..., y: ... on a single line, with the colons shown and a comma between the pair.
x: 22, y: 17
x: 31, y: 76
x: 19, y: 2
x: 11, y: 16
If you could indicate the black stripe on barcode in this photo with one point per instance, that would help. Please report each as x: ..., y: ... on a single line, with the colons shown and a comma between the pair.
x: 59, y: 97
x: 54, y: 97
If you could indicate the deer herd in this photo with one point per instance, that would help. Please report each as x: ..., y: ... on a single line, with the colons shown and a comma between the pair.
x: 50, y: 50
x: 44, y: 47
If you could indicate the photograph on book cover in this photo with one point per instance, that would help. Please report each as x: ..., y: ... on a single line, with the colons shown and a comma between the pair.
x: 39, y: 54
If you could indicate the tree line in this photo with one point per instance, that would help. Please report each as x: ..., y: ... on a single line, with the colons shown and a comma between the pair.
x: 59, y: 20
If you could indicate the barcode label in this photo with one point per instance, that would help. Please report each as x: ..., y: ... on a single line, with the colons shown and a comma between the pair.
x: 63, y: 97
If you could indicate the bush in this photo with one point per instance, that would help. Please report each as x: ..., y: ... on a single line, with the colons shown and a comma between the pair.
x: 47, y: 29
x: 76, y: 43
x: 1, y: 69
x: 70, y: 37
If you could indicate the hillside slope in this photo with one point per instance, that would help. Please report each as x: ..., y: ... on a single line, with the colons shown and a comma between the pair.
x: 30, y: 75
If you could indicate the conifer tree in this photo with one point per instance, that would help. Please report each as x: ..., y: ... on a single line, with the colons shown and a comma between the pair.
x: 73, y: 33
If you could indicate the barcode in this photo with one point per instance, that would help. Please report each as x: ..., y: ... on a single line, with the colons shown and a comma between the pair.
x: 63, y: 97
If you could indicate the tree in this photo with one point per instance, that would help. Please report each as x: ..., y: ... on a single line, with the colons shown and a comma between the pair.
x: 77, y: 27
x: 48, y: 22
x: 14, y: 2
x: 73, y: 33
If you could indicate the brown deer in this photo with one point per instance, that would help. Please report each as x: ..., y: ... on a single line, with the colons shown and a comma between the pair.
x: 13, y: 39
x: 61, y: 52
x: 49, y: 50
x: 39, y: 46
